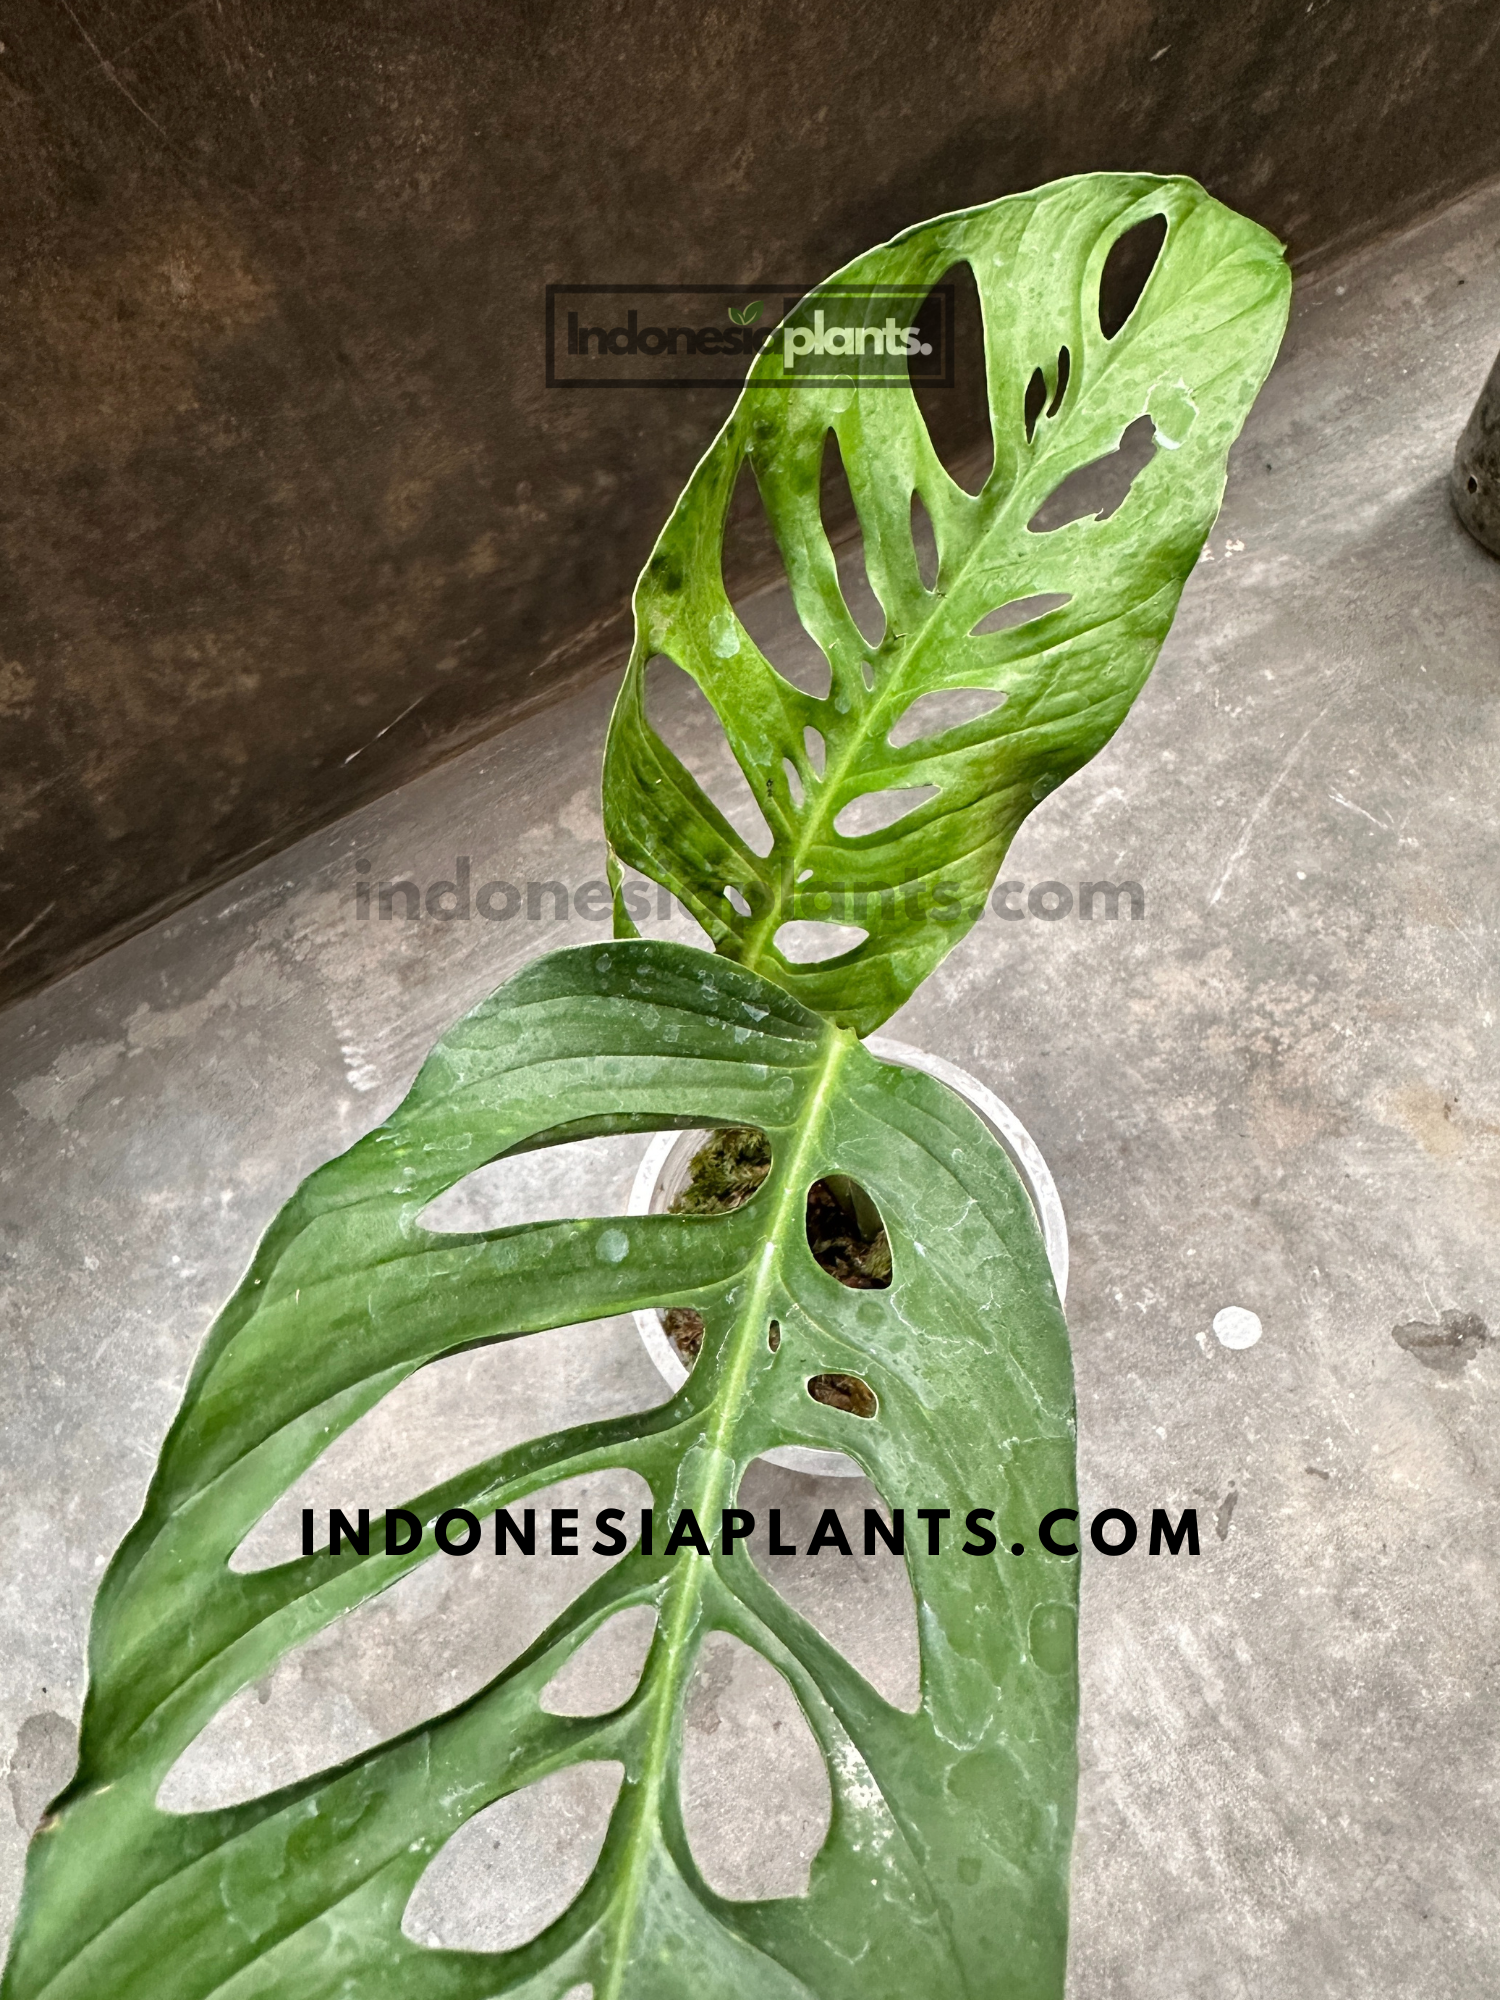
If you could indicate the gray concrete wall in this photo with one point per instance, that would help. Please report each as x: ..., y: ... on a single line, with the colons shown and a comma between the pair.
x: 288, y: 510
x: 1276, y: 1090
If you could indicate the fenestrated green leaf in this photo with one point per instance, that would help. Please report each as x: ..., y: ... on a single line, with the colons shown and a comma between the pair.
x: 1191, y: 357
x: 944, y: 1873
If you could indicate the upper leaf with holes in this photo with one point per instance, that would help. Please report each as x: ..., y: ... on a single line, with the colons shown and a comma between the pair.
x: 1091, y: 584
x: 947, y: 1855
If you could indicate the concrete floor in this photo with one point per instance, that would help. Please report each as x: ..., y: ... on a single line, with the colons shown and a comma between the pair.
x: 1277, y: 1090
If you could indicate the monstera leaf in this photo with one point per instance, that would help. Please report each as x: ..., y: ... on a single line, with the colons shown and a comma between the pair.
x: 944, y: 1872
x: 1092, y: 599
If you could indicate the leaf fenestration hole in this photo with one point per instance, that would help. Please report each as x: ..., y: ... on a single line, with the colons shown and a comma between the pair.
x: 582, y: 1177
x: 773, y: 1335
x: 846, y: 1235
x: 1036, y: 396
x: 873, y: 812
x: 957, y: 416
x: 1131, y: 260
x: 1064, y: 366
x: 1100, y: 488
x: 846, y: 537
x: 454, y: 1413
x: 948, y: 708
x: 736, y: 900
x: 850, y: 1393
x: 720, y: 1176
x: 606, y: 1670
x: 684, y: 719
x: 794, y: 782
x: 756, y: 1803
x: 362, y: 1680
x: 755, y: 582
x: 816, y: 748
x: 924, y: 542
x: 806, y: 941
x: 863, y: 1606
x: 516, y: 1866
x: 1020, y: 611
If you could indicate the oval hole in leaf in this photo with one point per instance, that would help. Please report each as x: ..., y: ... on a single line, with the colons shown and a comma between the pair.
x: 1021, y: 611
x: 1064, y: 369
x: 583, y: 1177
x: 806, y: 941
x: 756, y: 1803
x: 849, y: 1393
x: 816, y: 748
x: 437, y: 1636
x: 1131, y: 260
x: 1036, y: 397
x: 958, y: 416
x: 865, y: 1606
x: 949, y: 708
x: 794, y: 782
x: 606, y: 1670
x: 683, y: 717
x: 841, y: 525
x: 873, y: 812
x: 755, y: 582
x: 736, y: 901
x: 749, y: 558
x: 515, y: 1867
x: 924, y: 542
x: 722, y: 1174
x: 1099, y: 488
x: 846, y: 1235
x: 683, y: 1326
x: 454, y: 1413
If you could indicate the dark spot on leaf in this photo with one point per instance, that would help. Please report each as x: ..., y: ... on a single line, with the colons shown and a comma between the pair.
x: 844, y: 1392
x: 1449, y: 1346
x: 773, y: 1337
x: 666, y: 570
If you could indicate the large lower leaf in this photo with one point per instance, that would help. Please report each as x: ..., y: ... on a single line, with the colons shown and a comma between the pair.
x: 944, y: 1873
x: 1190, y: 357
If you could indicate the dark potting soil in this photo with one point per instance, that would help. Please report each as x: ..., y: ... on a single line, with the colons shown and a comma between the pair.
x: 844, y: 1233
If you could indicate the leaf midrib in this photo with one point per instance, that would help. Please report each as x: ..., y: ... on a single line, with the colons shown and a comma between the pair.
x: 815, y: 824
x: 686, y: 1589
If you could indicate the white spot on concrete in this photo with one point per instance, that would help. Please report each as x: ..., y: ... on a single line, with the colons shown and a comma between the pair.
x: 1237, y: 1326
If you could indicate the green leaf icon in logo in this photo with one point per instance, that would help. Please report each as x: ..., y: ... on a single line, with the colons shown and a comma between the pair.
x: 746, y: 315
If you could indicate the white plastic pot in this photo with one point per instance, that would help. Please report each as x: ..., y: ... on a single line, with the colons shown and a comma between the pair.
x: 663, y: 1173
